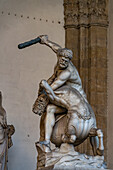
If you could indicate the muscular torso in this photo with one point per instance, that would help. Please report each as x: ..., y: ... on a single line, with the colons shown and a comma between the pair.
x: 74, y: 79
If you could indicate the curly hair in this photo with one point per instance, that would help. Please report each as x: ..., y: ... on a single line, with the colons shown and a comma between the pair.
x: 40, y: 104
x: 65, y: 52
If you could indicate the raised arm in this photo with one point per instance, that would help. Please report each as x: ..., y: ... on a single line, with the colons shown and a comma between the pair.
x: 52, y: 45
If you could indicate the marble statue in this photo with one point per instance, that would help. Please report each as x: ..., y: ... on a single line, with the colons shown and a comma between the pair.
x: 66, y: 95
x: 6, y: 131
x: 3, y: 121
x: 67, y: 118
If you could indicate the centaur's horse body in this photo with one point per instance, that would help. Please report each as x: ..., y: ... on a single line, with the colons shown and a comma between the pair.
x: 79, y: 122
x: 76, y: 124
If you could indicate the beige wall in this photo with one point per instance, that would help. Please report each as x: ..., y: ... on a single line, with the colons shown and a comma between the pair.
x: 110, y: 86
x: 22, y: 70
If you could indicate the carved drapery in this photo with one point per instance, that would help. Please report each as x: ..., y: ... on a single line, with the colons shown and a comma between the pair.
x: 6, y: 131
x: 86, y: 23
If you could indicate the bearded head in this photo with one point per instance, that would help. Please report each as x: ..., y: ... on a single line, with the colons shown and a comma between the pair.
x: 39, y: 107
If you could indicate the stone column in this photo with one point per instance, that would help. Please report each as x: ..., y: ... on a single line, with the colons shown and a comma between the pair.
x: 86, y: 23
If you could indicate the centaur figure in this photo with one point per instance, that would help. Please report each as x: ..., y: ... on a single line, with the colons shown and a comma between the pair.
x: 62, y: 94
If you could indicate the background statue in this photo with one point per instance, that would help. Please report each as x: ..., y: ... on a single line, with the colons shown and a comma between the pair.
x: 6, y: 131
x: 3, y: 121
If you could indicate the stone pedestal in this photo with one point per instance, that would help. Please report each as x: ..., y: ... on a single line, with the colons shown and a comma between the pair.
x: 66, y: 157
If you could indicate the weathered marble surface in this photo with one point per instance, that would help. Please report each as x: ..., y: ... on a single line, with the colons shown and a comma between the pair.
x: 6, y: 131
x: 3, y: 155
x: 67, y: 158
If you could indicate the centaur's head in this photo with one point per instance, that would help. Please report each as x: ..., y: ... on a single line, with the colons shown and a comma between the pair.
x: 64, y: 56
x: 40, y: 104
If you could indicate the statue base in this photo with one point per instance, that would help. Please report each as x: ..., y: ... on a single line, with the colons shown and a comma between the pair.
x: 66, y: 157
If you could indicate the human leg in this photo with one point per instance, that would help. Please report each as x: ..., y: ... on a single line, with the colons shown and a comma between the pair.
x: 50, y: 119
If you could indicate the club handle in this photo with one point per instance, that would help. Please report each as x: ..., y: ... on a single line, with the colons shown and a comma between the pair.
x: 29, y: 43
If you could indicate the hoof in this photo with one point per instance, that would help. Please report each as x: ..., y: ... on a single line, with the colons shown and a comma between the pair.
x: 44, y: 145
x: 64, y: 138
x: 71, y: 139
x: 100, y: 152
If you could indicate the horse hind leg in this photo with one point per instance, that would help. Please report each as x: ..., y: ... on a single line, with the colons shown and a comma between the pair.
x: 100, y: 149
x: 96, y: 140
x: 94, y: 143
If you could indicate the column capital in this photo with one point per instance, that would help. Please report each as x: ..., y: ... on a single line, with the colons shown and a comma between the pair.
x: 85, y: 13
